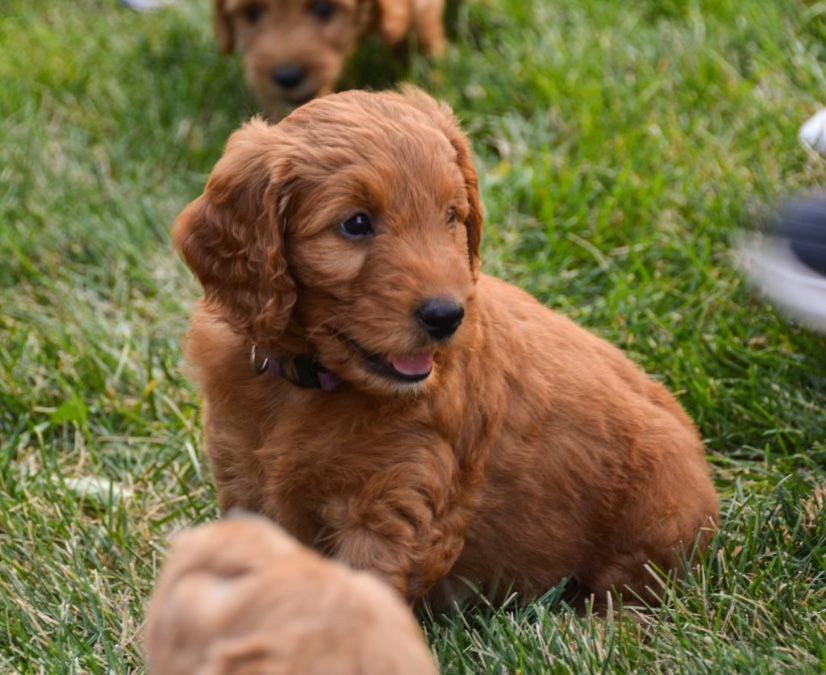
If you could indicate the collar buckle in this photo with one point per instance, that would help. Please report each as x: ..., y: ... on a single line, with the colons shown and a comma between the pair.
x: 259, y: 368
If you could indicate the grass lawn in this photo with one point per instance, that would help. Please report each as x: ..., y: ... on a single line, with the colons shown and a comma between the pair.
x: 621, y: 146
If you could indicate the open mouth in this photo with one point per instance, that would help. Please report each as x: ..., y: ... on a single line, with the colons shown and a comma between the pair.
x: 408, y: 368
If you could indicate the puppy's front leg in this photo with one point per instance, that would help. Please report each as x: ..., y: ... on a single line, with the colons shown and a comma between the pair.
x: 406, y: 523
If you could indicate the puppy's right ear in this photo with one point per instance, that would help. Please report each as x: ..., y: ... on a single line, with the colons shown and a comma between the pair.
x: 222, y: 23
x: 394, y: 19
x: 232, y: 236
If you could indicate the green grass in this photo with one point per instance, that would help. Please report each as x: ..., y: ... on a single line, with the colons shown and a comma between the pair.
x: 621, y: 147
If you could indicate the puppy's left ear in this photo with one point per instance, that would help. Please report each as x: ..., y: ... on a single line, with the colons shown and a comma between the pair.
x: 442, y: 116
x: 394, y: 19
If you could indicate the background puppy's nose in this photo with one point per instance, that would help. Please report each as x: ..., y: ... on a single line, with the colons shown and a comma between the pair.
x: 440, y: 317
x: 288, y: 76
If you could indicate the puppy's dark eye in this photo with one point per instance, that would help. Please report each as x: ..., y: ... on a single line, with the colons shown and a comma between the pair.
x: 253, y: 13
x: 322, y: 10
x: 357, y: 226
x: 452, y: 218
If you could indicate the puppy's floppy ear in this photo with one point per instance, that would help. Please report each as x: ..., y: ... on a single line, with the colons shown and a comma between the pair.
x: 232, y: 236
x: 222, y: 23
x: 394, y: 19
x: 443, y: 118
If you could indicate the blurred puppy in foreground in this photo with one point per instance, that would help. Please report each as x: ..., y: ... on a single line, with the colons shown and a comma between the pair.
x: 241, y: 596
x: 369, y: 388
x: 295, y: 50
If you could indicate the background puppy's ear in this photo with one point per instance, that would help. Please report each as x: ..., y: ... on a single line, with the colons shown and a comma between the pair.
x: 222, y: 23
x: 395, y: 18
x: 232, y: 236
x: 444, y: 119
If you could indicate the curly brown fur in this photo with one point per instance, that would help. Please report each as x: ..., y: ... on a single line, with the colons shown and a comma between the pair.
x: 240, y: 596
x: 315, y: 38
x: 533, y: 451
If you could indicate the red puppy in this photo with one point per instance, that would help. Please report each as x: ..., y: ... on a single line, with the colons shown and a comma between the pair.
x: 405, y: 412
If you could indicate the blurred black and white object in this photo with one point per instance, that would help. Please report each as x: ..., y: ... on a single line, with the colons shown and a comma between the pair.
x: 787, y: 262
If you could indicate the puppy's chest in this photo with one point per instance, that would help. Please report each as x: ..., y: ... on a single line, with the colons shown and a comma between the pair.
x: 334, y: 439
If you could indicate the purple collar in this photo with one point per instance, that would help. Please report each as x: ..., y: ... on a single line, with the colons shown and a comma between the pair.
x: 302, y: 371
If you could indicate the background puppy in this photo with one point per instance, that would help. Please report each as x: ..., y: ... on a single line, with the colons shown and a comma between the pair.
x: 414, y: 416
x: 240, y: 596
x: 295, y: 50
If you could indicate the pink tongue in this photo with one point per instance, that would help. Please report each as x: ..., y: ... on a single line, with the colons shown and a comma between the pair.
x: 419, y: 364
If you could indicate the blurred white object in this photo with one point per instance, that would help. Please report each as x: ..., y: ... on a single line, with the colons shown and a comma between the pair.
x: 813, y: 132
x: 774, y: 268
x: 146, y: 5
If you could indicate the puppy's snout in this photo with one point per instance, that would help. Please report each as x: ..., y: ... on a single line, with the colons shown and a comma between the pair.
x: 288, y: 75
x: 440, y: 317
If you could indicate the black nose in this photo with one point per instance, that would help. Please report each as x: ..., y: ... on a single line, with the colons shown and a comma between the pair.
x: 440, y: 317
x: 288, y: 76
